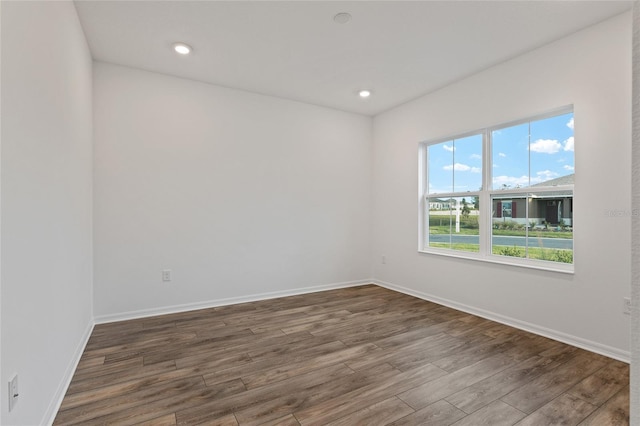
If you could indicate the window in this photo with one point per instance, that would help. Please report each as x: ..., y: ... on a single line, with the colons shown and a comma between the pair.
x: 502, y: 194
x: 455, y: 181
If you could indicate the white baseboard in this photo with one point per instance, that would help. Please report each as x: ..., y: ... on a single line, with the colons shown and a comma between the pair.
x: 56, y: 401
x: 143, y: 313
x: 611, y: 352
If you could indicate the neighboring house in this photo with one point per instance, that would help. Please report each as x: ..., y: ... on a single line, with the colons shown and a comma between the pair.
x: 438, y: 204
x: 553, y: 209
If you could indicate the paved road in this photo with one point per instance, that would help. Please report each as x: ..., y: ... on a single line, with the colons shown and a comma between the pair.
x: 501, y: 240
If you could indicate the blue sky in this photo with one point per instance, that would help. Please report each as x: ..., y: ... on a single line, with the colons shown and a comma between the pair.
x: 456, y: 165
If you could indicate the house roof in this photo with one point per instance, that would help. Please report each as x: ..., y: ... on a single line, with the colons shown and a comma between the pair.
x: 562, y: 180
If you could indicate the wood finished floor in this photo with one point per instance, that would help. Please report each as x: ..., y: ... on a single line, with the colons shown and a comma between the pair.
x: 357, y: 356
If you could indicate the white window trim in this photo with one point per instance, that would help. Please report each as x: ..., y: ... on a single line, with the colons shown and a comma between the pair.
x: 485, y: 194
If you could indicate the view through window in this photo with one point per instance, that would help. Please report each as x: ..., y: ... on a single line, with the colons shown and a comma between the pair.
x: 505, y: 192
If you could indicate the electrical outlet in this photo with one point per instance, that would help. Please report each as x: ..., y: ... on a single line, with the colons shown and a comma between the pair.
x: 384, y: 259
x: 13, y: 392
x: 166, y: 275
x: 627, y: 305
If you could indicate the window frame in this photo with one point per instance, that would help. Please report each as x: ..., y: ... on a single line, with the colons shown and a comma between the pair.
x: 485, y: 196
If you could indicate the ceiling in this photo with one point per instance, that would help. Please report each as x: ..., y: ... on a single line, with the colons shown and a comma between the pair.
x: 295, y: 50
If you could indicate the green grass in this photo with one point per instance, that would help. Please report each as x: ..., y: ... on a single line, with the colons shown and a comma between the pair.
x: 533, y: 234
x: 506, y: 232
x: 447, y: 230
x: 457, y: 246
x: 537, y: 253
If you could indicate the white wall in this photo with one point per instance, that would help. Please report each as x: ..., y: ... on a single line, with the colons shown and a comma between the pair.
x: 591, y: 70
x: 46, y: 204
x: 635, y: 236
x: 240, y: 195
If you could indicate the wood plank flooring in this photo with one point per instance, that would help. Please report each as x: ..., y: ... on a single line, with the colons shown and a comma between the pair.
x: 359, y: 356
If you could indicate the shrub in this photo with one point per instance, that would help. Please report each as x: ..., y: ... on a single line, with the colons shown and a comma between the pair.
x: 563, y: 256
x: 439, y: 220
x: 509, y: 251
x: 469, y: 222
x: 509, y: 224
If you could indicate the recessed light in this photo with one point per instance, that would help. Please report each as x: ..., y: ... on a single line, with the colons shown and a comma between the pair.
x: 364, y: 93
x: 342, y: 18
x: 182, y: 48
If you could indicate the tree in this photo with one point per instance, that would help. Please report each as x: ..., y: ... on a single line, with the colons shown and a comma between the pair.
x: 476, y: 202
x: 465, y: 208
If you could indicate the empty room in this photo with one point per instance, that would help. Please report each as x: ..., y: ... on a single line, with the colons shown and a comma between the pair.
x: 319, y: 212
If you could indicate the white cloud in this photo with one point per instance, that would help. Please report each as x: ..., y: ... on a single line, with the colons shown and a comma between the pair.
x: 476, y: 157
x: 476, y: 170
x: 459, y: 167
x: 547, y: 174
x: 495, y: 166
x: 570, y: 124
x: 502, y: 154
x: 568, y: 144
x: 568, y: 167
x: 546, y: 146
x: 522, y: 181
x: 448, y: 148
x: 510, y: 181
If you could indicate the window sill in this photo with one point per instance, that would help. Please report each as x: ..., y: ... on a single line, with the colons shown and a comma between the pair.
x: 562, y: 268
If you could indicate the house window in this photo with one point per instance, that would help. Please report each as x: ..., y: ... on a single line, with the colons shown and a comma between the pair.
x: 455, y: 180
x: 502, y: 194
